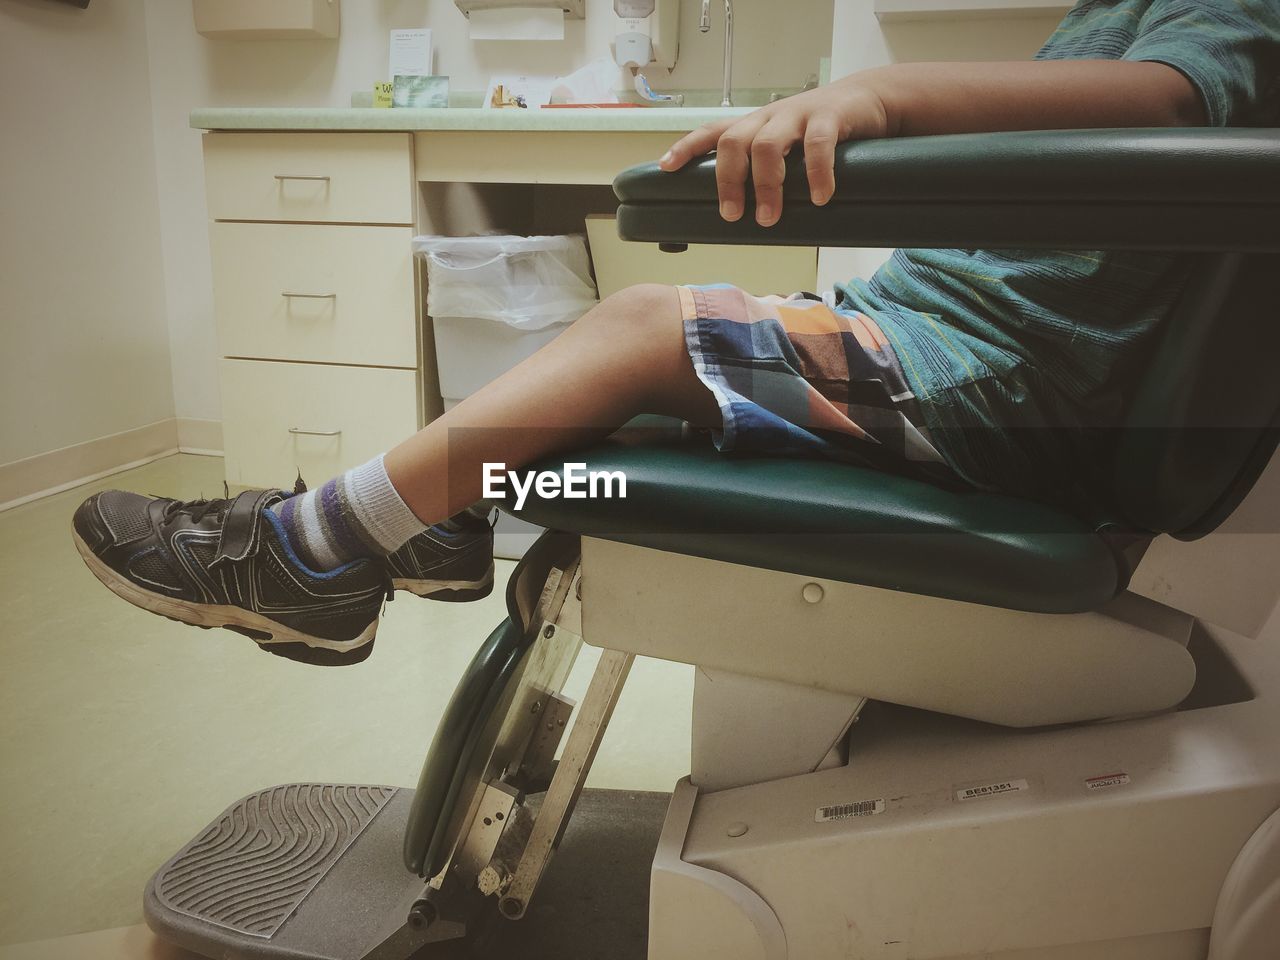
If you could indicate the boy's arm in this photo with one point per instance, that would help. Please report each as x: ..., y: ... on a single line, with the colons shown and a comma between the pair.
x: 912, y: 99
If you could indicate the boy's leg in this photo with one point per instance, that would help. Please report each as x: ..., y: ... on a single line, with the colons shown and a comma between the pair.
x: 251, y: 563
x: 625, y: 357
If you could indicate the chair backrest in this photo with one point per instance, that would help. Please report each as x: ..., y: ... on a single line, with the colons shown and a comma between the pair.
x: 1206, y: 416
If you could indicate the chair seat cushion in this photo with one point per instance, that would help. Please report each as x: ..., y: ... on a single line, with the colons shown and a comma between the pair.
x: 837, y: 521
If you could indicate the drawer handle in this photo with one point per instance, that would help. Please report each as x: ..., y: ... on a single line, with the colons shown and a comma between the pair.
x: 309, y: 296
x: 298, y: 431
x: 299, y: 176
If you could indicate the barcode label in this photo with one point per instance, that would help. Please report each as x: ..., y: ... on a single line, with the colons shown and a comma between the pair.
x: 847, y: 811
x: 984, y: 790
x: 1107, y: 781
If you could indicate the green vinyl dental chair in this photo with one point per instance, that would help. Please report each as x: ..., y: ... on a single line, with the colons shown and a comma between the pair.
x: 898, y: 748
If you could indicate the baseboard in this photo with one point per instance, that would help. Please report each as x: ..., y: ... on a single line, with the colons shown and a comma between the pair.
x: 47, y: 473
x: 203, y: 437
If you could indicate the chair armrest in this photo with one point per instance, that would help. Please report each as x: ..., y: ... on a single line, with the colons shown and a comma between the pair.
x: 1150, y: 189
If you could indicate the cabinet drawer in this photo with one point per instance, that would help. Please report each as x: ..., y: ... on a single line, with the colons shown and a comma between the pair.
x: 319, y: 292
x: 351, y: 413
x: 310, y: 177
x: 758, y: 270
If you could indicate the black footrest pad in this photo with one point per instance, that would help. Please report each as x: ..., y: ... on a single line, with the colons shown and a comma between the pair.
x: 250, y: 869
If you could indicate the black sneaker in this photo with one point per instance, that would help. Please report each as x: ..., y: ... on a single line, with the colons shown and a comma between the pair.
x: 227, y: 563
x: 450, y: 561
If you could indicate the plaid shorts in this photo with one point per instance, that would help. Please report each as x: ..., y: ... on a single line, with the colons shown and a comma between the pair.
x: 794, y: 377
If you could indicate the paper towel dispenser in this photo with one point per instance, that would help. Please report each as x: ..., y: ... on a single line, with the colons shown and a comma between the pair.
x: 573, y: 9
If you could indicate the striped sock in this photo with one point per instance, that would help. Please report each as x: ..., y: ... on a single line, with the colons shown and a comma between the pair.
x: 358, y: 514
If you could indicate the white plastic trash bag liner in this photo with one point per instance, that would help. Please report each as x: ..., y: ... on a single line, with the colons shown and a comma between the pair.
x: 528, y: 283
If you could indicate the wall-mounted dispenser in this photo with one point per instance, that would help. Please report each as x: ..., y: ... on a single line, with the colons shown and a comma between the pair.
x: 259, y: 20
x: 647, y: 31
x: 573, y: 9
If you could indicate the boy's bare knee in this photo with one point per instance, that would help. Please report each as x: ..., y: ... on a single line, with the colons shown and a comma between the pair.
x: 645, y: 303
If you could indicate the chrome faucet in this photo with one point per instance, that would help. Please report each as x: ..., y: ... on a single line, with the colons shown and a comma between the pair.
x: 704, y: 24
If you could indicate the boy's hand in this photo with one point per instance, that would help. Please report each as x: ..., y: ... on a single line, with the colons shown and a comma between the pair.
x: 759, y: 141
x: 915, y: 99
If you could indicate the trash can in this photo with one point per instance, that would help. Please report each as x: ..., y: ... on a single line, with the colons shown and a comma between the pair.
x: 494, y: 300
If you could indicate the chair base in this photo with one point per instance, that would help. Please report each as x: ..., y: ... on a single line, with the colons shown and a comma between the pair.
x: 951, y: 839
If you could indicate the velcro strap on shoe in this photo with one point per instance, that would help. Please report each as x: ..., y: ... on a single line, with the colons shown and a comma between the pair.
x: 241, y: 524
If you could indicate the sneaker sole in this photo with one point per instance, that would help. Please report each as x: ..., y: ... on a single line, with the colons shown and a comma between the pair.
x: 449, y: 591
x: 264, y: 631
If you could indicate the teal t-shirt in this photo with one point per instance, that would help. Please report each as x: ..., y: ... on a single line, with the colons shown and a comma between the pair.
x: 1021, y: 359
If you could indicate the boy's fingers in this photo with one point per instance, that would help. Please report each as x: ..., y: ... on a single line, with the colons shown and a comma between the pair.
x: 733, y: 160
x: 768, y: 167
x: 696, y: 143
x: 820, y: 137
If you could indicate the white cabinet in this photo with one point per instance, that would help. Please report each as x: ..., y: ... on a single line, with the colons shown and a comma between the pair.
x: 274, y: 20
x: 282, y: 419
x: 314, y: 299
x: 310, y: 177
x: 319, y: 293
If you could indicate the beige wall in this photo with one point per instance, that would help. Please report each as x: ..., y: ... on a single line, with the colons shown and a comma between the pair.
x: 85, y: 345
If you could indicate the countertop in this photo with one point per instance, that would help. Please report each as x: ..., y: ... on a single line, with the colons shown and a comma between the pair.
x: 637, y: 120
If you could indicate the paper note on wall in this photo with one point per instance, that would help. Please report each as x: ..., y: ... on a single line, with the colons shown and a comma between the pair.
x: 517, y: 23
x: 410, y: 54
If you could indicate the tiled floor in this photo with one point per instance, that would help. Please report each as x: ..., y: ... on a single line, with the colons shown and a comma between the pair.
x: 122, y: 733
